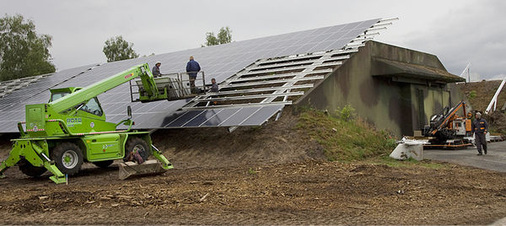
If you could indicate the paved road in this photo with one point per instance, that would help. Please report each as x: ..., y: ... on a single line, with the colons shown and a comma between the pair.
x: 494, y: 160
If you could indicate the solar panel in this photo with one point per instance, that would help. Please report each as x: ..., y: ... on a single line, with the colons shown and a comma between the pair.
x: 220, y: 62
x: 227, y: 117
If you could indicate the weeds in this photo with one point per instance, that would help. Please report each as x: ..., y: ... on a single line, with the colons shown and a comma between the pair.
x: 252, y: 171
x: 345, y: 137
x: 347, y: 113
x: 472, y: 95
x: 386, y: 160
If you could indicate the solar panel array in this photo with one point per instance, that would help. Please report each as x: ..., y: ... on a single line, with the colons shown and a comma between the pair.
x: 220, y: 62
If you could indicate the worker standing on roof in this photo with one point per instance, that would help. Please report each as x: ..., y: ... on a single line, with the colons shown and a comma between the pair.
x: 480, y: 128
x: 156, y: 69
x: 192, y: 68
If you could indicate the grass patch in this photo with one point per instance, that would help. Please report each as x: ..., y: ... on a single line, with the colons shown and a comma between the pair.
x: 344, y: 136
x: 386, y: 160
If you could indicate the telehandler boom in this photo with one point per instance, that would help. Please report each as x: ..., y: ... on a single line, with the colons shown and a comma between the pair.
x: 72, y: 129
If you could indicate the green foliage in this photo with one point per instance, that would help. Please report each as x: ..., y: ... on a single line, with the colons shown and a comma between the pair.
x: 117, y: 48
x: 224, y: 36
x: 211, y: 39
x: 347, y: 113
x: 472, y: 95
x: 345, y: 137
x: 23, y: 52
x: 252, y: 171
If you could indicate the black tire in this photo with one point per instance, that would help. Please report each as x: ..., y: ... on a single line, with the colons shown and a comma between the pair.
x: 136, y: 145
x: 103, y: 164
x: 30, y: 170
x: 68, y: 158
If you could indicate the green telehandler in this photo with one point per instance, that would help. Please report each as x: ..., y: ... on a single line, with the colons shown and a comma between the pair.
x: 71, y: 129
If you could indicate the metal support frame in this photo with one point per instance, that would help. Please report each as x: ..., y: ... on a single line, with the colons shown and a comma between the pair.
x: 269, y: 79
x: 251, y: 97
x: 257, y: 90
x: 294, y: 80
x: 360, y: 40
x: 236, y: 105
x: 493, y: 102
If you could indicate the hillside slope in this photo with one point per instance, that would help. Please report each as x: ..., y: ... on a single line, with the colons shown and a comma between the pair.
x: 480, y: 94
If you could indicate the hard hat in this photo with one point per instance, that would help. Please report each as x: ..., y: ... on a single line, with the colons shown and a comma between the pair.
x: 478, y: 113
x: 158, y: 62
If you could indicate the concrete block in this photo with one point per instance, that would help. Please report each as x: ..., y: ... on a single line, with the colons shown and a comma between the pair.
x: 404, y: 151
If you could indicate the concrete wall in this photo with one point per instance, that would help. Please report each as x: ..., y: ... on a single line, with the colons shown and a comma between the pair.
x: 389, y: 102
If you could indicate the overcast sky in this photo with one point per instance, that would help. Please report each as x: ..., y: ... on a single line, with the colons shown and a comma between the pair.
x: 458, y: 32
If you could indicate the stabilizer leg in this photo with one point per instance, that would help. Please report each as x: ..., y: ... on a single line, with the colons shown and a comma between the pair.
x: 58, y: 176
x: 158, y: 155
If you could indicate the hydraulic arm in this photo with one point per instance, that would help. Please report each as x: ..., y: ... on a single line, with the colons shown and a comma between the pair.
x: 104, y: 85
x: 440, y: 121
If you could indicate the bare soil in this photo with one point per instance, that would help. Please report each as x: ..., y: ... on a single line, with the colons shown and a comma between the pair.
x: 480, y: 94
x: 273, y: 174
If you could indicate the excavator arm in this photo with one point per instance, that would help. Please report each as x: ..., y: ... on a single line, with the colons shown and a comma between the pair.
x: 440, y: 122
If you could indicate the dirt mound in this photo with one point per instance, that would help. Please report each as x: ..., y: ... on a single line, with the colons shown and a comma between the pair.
x: 6, y: 144
x: 275, y: 142
x: 479, y: 95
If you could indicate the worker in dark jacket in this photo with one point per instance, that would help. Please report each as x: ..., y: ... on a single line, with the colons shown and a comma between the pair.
x: 192, y: 68
x: 214, y: 86
x: 480, y: 128
x: 156, y: 69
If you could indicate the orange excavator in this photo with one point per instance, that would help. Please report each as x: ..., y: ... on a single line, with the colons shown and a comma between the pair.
x: 449, y: 130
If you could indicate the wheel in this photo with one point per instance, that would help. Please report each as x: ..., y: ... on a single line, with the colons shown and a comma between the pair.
x: 68, y: 158
x: 103, y: 164
x: 30, y: 170
x: 136, y: 150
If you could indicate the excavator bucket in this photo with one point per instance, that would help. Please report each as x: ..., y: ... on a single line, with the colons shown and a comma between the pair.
x: 130, y: 169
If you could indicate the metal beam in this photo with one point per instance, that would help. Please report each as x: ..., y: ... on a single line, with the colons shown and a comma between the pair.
x: 273, y: 70
x: 288, y: 58
x: 318, y: 77
x: 256, y: 90
x: 260, y: 77
x: 247, y: 97
x: 291, y: 74
x: 237, y: 105
x: 289, y: 62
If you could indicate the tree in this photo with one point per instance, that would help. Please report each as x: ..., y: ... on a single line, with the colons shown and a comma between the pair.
x: 23, y: 52
x: 224, y: 36
x: 117, y: 48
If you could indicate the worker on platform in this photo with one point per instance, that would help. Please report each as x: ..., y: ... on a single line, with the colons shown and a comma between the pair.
x: 480, y: 128
x: 214, y: 85
x: 156, y: 69
x: 192, y: 68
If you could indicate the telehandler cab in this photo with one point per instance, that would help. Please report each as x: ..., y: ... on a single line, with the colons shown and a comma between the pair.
x: 71, y: 129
